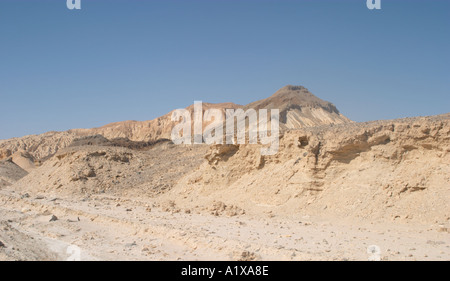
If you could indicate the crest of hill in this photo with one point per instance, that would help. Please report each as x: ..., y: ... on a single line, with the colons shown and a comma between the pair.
x: 298, y: 109
x: 290, y: 97
x: 151, y: 130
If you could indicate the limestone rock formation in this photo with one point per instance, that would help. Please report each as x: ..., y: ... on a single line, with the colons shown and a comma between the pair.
x: 395, y: 169
x: 298, y: 108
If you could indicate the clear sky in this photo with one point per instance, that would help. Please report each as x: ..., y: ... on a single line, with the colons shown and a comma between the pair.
x: 137, y: 60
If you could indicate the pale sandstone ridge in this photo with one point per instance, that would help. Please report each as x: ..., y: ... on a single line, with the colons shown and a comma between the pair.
x: 298, y: 108
x: 38, y: 147
x: 329, y: 193
x: 396, y: 169
x: 159, y: 128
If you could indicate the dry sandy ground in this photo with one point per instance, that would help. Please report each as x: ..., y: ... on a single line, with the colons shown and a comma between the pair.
x: 109, y: 228
x: 330, y: 193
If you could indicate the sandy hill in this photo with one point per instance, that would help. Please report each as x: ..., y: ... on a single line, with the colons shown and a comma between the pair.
x: 394, y: 169
x: 298, y: 108
x: 113, y: 169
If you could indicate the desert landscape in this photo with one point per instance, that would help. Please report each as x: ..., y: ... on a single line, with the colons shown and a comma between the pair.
x: 335, y: 190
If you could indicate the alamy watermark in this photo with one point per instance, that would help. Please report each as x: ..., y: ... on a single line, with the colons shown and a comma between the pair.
x: 373, y: 4
x: 74, y: 253
x: 76, y: 4
x: 73, y: 4
x: 375, y: 253
x: 213, y: 133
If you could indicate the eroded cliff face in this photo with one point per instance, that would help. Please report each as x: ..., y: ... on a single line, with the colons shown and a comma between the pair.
x: 152, y: 130
x: 39, y: 147
x: 398, y: 169
x: 395, y: 170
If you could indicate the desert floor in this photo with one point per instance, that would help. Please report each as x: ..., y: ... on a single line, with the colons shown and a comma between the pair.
x: 108, y: 228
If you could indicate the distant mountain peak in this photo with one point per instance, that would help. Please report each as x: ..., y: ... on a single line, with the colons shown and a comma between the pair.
x: 297, y: 106
x: 293, y: 97
x: 293, y: 88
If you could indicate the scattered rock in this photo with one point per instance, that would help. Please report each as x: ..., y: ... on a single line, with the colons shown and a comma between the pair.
x: 170, y: 206
x: 248, y: 256
x: 219, y: 208
x: 435, y: 243
x: 26, y: 195
x: 129, y: 245
x: 442, y: 229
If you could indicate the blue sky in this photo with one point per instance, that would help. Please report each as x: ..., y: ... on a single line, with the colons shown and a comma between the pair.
x: 137, y: 60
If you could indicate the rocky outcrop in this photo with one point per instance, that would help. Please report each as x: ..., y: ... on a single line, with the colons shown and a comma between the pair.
x: 40, y: 147
x: 395, y: 169
x: 93, y: 169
